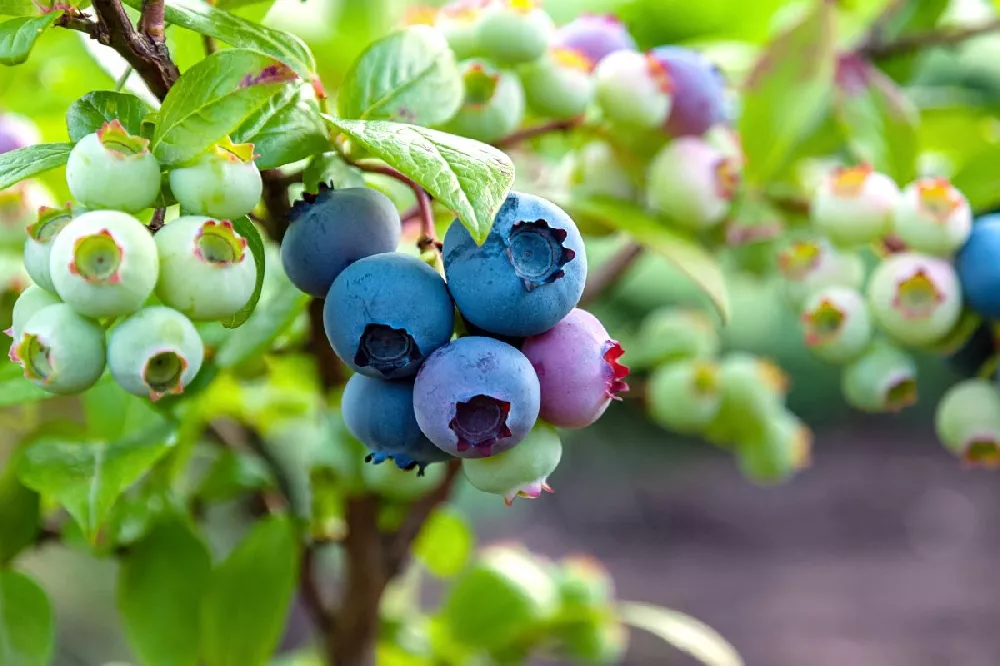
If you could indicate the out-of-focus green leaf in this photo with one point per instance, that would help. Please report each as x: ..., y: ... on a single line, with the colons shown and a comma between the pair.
x: 287, y: 129
x: 161, y: 584
x: 685, y: 253
x: 87, y: 114
x: 683, y: 632
x: 18, y: 8
x: 247, y: 230
x: 249, y: 595
x: 16, y: 165
x: 329, y: 168
x: 27, y: 627
x: 908, y: 18
x: 979, y: 179
x: 445, y: 543
x: 409, y: 76
x: 787, y: 93
x: 20, y: 511
x: 18, y: 37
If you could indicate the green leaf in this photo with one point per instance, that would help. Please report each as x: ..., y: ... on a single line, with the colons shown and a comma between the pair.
x: 18, y: 37
x: 907, y: 18
x: 89, y: 113
x: 161, y: 587
x: 22, y: 163
x: 328, y: 168
x: 86, y: 476
x: 17, y: 390
x: 978, y: 179
x: 27, y: 626
x: 247, y: 229
x: 239, y: 33
x: 287, y: 129
x: 444, y: 544
x: 20, y: 511
x: 681, y: 631
x: 18, y: 8
x: 112, y: 413
x: 210, y: 100
x: 409, y: 76
x: 685, y: 253
x: 787, y: 92
x: 248, y: 598
x: 469, y: 177
x: 879, y: 121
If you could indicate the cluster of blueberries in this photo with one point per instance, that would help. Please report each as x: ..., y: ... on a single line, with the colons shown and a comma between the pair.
x: 524, y: 353
x: 936, y: 286
x: 108, y: 293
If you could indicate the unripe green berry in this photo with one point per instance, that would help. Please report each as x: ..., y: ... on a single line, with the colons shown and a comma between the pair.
x: 223, y: 183
x: 595, y: 641
x: 104, y: 264
x: 932, y: 217
x: 38, y: 244
x: 31, y: 300
x: 596, y: 170
x: 692, y: 184
x: 59, y: 350
x: 398, y: 485
x: 883, y: 379
x: 915, y: 298
x: 584, y: 586
x: 968, y: 422
x: 560, y: 84
x: 836, y: 324
x: 633, y: 90
x: 493, y: 106
x: 155, y: 353
x: 512, y: 32
x: 810, y: 265
x: 685, y: 396
x: 853, y: 206
x: 19, y: 206
x: 113, y: 169
x: 671, y: 334
x: 458, y: 21
x: 522, y: 471
x: 206, y: 271
x: 782, y: 449
x: 753, y: 390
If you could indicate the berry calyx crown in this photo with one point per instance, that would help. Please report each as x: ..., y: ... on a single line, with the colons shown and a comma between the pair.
x: 939, y: 198
x: 49, y: 223
x: 238, y: 153
x: 824, y: 323
x: 917, y: 297
x: 116, y: 140
x: 849, y: 181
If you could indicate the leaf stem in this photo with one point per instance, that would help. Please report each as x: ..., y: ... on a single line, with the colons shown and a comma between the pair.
x: 427, y: 238
x: 120, y: 83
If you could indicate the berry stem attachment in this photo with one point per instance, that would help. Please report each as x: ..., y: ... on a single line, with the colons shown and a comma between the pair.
x: 528, y: 133
x: 427, y: 238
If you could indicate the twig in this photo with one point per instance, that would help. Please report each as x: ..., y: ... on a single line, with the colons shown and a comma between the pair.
x: 309, y: 590
x: 402, y: 538
x: 611, y: 271
x: 159, y: 219
x: 152, y: 22
x: 538, y: 130
x: 928, y: 38
x: 427, y: 234
x: 209, y: 44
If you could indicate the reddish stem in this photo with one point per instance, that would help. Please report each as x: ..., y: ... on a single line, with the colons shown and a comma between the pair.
x: 427, y: 234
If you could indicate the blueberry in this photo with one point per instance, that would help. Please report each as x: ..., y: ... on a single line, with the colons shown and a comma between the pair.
x: 810, y: 265
x: 634, y: 90
x: 578, y: 370
x: 699, y: 92
x: 113, y: 169
x: 782, y: 449
x: 31, y: 300
x: 968, y: 422
x: 386, y: 313
x: 915, y: 298
x: 512, y: 32
x: 595, y: 35
x: 59, y: 350
x: 17, y: 132
x: 692, y: 183
x: 520, y: 472
x: 155, y: 353
x: 836, y: 324
x: 671, y: 334
x: 379, y: 414
x: 476, y: 397
x: 458, y: 21
x: 493, y: 106
x: 597, y: 170
x: 223, y: 183
x: 528, y: 274
x: 331, y: 230
x: 978, y: 266
x: 854, y: 205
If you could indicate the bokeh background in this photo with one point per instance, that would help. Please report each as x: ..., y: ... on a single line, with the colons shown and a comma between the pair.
x: 882, y: 553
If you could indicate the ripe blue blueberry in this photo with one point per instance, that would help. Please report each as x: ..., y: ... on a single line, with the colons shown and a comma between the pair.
x: 699, y: 91
x: 386, y: 313
x: 978, y: 267
x: 528, y: 274
x: 17, y: 132
x: 559, y: 84
x: 578, y: 370
x: 38, y: 244
x: 595, y: 35
x: 379, y: 414
x: 331, y: 230
x: 113, y: 169
x: 476, y: 397
x: 155, y: 353
x: 223, y: 183
x: 59, y: 350
x: 493, y: 106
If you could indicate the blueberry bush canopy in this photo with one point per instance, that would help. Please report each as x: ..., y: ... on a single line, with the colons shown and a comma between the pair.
x: 327, y: 270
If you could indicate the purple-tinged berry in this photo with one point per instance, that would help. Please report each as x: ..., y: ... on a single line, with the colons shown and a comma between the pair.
x: 155, y: 353
x: 597, y: 170
x: 978, y: 266
x: 883, y: 379
x: 968, y: 422
x: 386, y: 313
x: 528, y: 274
x: 223, y: 183
x: 699, y: 91
x: 672, y: 334
x: 206, y: 271
x: 19, y: 208
x: 692, y: 184
x: 781, y: 450
x: 685, y: 396
x: 560, y: 84
x: 38, y: 244
x: 836, y: 324
x: 932, y: 217
x: 59, y: 350
x: 493, y: 105
x: 595, y: 36
x: 915, y: 298
x: 113, y: 169
x: 853, y: 205
x: 379, y: 414
x: 31, y: 300
x: 400, y: 485
x: 329, y: 231
x: 458, y: 21
x: 633, y: 90
x: 476, y: 397
x: 811, y: 265
x: 513, y: 32
x: 520, y: 472
x: 578, y: 370
x: 104, y: 264
x: 16, y: 132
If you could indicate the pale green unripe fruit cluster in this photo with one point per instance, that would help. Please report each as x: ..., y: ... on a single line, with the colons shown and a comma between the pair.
x: 493, y: 105
x: 933, y: 217
x: 559, y: 84
x: 155, y: 352
x: 836, y: 324
x: 631, y: 91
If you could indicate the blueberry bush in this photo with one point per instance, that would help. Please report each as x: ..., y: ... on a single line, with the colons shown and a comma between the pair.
x: 330, y: 269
